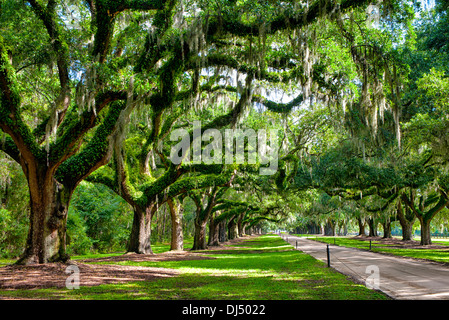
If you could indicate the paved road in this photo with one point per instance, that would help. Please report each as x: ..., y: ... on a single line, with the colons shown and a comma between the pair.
x: 399, y: 278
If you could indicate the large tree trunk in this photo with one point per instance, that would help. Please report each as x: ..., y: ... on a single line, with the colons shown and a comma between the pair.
x: 240, y: 226
x: 177, y: 237
x: 213, y: 232
x: 203, y: 212
x: 372, y: 223
x: 199, y: 237
x: 406, y: 220
x: 140, y: 238
x: 329, y: 228
x: 425, y: 232
x: 387, y: 229
x: 222, y: 235
x: 233, y: 229
x: 49, y: 202
x: 361, y: 224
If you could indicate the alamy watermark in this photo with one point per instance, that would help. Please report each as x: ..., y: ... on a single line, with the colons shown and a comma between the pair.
x: 373, y: 14
x: 73, y: 280
x: 231, y: 146
x: 373, y: 280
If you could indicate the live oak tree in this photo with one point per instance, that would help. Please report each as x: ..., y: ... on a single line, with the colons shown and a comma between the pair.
x: 76, y: 106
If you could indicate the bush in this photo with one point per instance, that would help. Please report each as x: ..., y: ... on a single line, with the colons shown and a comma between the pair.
x: 98, y: 220
x: 78, y: 241
x: 13, y: 235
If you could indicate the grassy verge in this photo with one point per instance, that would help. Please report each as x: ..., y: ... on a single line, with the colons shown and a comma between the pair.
x: 433, y: 254
x: 263, y: 268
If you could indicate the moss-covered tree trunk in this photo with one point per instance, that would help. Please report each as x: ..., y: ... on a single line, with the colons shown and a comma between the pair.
x: 49, y: 202
x: 140, y: 237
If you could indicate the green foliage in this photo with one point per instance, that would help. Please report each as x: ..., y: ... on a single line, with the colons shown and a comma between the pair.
x: 12, y: 236
x: 78, y: 242
x: 98, y: 220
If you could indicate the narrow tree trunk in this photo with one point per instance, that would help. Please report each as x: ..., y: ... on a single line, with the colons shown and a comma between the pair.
x: 49, y: 202
x: 164, y: 220
x: 140, y: 238
x: 177, y: 237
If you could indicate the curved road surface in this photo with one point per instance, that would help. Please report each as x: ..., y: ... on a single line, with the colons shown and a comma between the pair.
x: 399, y: 278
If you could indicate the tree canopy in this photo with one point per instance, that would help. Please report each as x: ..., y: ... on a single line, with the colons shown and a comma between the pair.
x: 285, y: 111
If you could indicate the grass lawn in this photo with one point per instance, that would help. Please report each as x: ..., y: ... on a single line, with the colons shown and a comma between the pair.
x: 258, y: 268
x: 433, y: 254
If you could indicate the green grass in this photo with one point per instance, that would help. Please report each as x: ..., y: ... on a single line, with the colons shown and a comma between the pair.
x: 4, y: 262
x: 262, y: 268
x: 434, y: 254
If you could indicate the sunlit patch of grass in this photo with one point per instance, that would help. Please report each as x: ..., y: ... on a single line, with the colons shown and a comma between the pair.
x: 5, y: 262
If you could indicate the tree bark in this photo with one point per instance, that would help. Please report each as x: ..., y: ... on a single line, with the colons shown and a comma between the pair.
x: 177, y: 236
x: 199, y: 237
x: 426, y: 238
x: 329, y: 228
x: 232, y: 229
x: 240, y: 227
x: 140, y: 238
x: 425, y: 217
x: 222, y: 235
x: 361, y: 227
x: 213, y: 232
x: 203, y: 212
x: 49, y: 202
x: 372, y: 227
x: 406, y: 220
x: 387, y: 229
